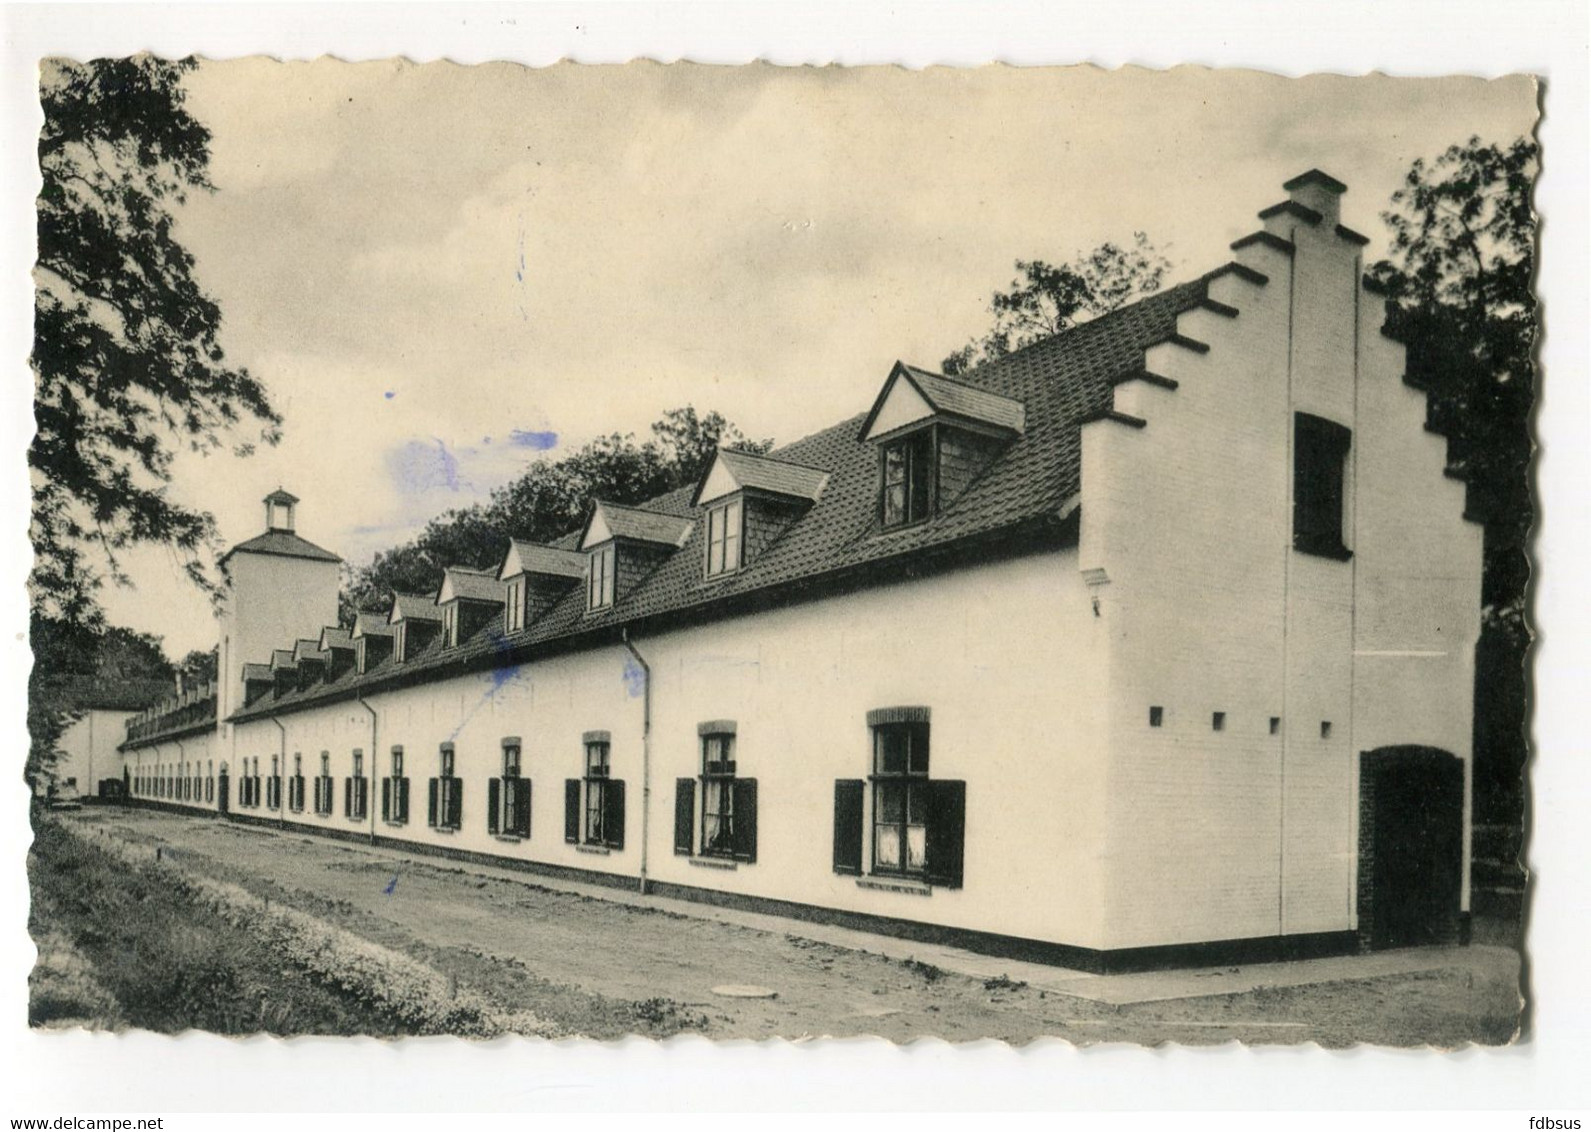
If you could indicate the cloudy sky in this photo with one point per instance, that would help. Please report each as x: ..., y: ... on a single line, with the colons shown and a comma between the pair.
x: 442, y: 272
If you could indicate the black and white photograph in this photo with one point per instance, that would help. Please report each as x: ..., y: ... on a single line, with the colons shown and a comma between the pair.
x: 671, y: 549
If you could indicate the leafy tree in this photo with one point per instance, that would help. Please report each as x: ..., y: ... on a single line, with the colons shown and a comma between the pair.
x: 128, y: 363
x: 552, y: 498
x: 1046, y: 299
x: 63, y: 649
x: 1458, y: 281
x: 199, y: 666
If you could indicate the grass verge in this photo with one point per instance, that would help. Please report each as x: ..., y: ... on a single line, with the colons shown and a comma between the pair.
x: 127, y: 945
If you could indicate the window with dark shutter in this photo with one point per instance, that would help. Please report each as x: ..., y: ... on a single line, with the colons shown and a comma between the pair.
x: 348, y: 798
x: 433, y: 797
x: 947, y: 823
x: 362, y: 797
x: 684, y: 816
x: 521, y: 807
x: 571, y: 809
x: 1320, y: 457
x: 745, y: 806
x: 613, y: 814
x: 386, y: 799
x: 403, y: 801
x: 494, y: 801
x: 848, y: 794
x: 455, y: 803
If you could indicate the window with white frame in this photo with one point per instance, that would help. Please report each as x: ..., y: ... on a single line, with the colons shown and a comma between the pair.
x: 450, y: 625
x: 600, y: 577
x: 718, y: 794
x: 900, y: 798
x: 516, y: 605
x: 725, y: 537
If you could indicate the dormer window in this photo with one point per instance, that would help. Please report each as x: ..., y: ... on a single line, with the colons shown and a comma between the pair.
x: 725, y: 537
x: 908, y: 480
x: 935, y: 436
x: 400, y: 638
x: 516, y: 605
x: 450, y: 625
x: 599, y: 585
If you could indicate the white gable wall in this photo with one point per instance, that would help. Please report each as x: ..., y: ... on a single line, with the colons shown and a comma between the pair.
x: 903, y: 406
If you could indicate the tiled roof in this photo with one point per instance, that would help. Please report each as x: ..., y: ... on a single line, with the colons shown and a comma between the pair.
x: 472, y: 585
x: 415, y: 607
x: 282, y: 658
x: 283, y: 543
x: 764, y: 473
x: 258, y: 672
x: 947, y: 395
x: 333, y: 637
x: 305, y: 649
x: 642, y: 524
x: 367, y: 624
x: 1062, y: 382
x: 534, y: 558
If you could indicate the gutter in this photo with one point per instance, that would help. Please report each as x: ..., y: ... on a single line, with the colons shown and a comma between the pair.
x: 646, y: 751
x: 370, y: 780
x: 281, y: 767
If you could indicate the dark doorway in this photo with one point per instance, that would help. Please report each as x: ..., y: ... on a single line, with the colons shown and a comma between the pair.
x: 1411, y: 846
x: 221, y: 793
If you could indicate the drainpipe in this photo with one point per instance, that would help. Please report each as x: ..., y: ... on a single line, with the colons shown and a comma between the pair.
x: 646, y: 750
x: 281, y: 769
x: 370, y: 779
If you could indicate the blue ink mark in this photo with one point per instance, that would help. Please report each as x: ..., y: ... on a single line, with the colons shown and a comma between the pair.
x: 634, y: 678
x: 389, y: 395
x: 538, y: 441
x: 500, y: 678
x: 417, y: 466
x: 391, y: 884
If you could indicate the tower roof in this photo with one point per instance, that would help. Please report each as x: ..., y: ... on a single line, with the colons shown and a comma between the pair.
x: 284, y: 544
x: 281, y: 496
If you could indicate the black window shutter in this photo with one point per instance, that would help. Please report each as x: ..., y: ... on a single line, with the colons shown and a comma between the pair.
x: 684, y: 816
x: 403, y: 800
x: 947, y: 825
x: 364, y: 796
x: 386, y: 799
x: 745, y: 827
x: 848, y: 825
x: 613, y: 814
x: 571, y: 809
x: 455, y: 804
x: 431, y: 813
x: 348, y: 797
x: 494, y: 799
x: 522, y: 807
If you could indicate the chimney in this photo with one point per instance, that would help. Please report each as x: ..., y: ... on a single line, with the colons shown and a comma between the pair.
x: 279, y: 511
x: 1320, y: 193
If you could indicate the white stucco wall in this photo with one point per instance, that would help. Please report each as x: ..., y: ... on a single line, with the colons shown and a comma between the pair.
x: 997, y: 653
x: 1187, y: 526
x: 88, y: 749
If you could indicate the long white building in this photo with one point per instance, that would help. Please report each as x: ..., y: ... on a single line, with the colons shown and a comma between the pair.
x: 1149, y: 643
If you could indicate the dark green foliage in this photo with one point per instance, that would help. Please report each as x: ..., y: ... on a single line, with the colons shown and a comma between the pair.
x: 1458, y: 279
x: 64, y: 649
x: 552, y: 498
x: 1047, y: 299
x: 126, y: 349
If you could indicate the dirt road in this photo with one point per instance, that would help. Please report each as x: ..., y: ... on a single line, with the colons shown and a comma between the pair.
x: 603, y: 969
